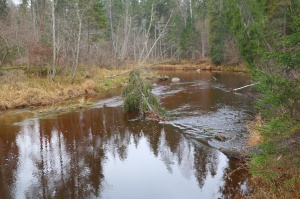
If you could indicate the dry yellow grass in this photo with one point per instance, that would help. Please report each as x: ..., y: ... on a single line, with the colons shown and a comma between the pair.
x: 280, y: 193
x: 255, y: 137
x: 285, y: 186
x: 16, y: 92
x: 204, y: 64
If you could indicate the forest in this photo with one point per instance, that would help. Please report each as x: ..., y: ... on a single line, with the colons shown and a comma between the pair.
x: 68, y: 37
x: 59, y: 34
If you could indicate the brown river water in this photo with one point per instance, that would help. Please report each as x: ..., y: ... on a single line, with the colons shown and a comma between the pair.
x: 99, y: 152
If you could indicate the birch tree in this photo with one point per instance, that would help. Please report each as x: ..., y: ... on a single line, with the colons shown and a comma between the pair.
x: 53, y: 40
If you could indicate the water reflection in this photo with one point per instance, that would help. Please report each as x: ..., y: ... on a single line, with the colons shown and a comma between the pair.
x: 98, y: 153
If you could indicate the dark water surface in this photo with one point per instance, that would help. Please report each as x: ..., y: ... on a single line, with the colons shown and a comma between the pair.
x: 98, y: 153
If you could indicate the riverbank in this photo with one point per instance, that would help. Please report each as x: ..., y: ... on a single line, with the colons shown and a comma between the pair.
x: 275, y: 160
x: 204, y: 64
x: 272, y: 157
x: 20, y: 88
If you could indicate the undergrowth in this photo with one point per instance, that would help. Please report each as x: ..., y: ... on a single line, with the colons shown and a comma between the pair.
x: 275, y: 165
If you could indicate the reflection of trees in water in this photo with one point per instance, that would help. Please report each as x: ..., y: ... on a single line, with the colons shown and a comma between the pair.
x: 236, y: 180
x: 167, y: 155
x: 67, y: 154
x: 8, y: 160
x: 65, y: 162
x: 206, y: 160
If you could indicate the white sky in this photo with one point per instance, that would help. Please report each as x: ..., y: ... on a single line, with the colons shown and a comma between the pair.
x: 16, y: 1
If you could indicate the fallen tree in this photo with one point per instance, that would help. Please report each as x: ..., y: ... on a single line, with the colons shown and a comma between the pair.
x: 137, y: 96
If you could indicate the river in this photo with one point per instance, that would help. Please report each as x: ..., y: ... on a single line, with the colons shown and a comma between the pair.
x: 98, y: 152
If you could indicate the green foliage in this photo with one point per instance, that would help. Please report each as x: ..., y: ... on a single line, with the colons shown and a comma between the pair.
x: 23, y: 7
x: 278, y: 94
x: 163, y: 8
x: 268, y: 35
x: 273, y: 59
x: 137, y: 95
x: 96, y: 15
x: 277, y: 129
x: 176, y: 24
x: 281, y: 88
x: 288, y: 49
x: 7, y: 53
x: 249, y: 23
x: 3, y: 9
x: 188, y: 36
x: 217, y: 31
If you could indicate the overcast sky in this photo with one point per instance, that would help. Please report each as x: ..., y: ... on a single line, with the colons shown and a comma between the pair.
x: 16, y: 1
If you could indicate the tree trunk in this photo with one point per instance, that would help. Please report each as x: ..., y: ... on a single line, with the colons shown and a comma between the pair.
x: 202, y: 40
x: 78, y: 44
x: 53, y: 41
x: 111, y: 29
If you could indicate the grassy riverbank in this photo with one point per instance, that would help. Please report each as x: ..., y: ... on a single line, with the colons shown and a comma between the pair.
x: 275, y: 164
x: 19, y: 89
x: 204, y: 64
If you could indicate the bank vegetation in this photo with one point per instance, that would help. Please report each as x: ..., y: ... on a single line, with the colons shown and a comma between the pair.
x: 20, y: 88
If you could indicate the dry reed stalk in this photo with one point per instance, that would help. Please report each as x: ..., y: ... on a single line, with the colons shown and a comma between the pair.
x: 255, y: 137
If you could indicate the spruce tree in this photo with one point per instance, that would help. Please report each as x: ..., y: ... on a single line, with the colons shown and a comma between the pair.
x: 217, y: 31
x: 188, y: 38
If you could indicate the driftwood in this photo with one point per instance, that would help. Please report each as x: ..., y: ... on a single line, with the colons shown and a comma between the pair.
x: 243, y: 87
